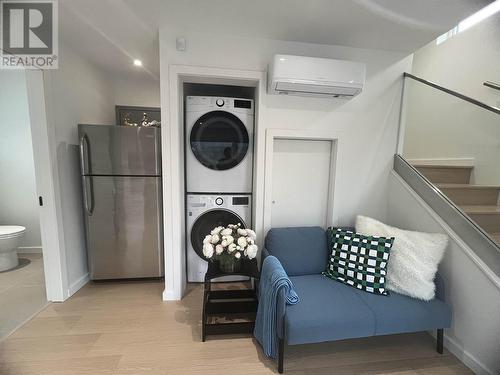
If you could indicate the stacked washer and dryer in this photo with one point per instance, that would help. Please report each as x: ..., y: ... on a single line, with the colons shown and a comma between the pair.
x: 219, y: 163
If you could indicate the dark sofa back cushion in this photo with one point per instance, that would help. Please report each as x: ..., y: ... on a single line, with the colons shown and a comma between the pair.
x: 301, y: 250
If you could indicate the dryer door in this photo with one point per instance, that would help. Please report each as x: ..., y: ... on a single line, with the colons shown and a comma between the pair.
x: 219, y: 140
x: 208, y: 221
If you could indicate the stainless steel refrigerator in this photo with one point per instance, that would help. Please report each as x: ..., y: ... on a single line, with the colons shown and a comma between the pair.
x: 121, y: 177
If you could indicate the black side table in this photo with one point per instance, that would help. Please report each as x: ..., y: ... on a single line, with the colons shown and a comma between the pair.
x: 225, y: 302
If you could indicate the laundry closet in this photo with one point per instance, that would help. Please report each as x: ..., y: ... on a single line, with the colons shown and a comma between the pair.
x: 219, y: 128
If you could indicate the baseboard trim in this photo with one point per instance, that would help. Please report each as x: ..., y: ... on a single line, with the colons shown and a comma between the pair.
x: 452, y: 162
x: 78, y: 284
x: 468, y: 359
x: 29, y: 250
x: 169, y: 295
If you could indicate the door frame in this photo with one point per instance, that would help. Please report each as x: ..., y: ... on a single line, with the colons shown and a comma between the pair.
x: 47, y: 186
x: 306, y: 135
x: 174, y: 226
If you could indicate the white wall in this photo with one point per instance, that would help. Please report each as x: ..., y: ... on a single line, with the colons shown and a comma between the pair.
x: 474, y: 298
x: 136, y: 90
x: 368, y: 123
x: 18, y: 200
x: 81, y: 92
x: 78, y: 92
x: 463, y: 62
x: 441, y: 126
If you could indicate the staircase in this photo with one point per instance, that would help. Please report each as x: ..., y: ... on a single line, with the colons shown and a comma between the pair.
x: 479, y: 202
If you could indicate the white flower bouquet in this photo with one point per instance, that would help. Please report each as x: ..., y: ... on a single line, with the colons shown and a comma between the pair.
x: 228, y: 245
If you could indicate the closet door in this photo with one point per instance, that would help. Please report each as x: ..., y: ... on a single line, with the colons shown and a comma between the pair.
x: 301, y: 180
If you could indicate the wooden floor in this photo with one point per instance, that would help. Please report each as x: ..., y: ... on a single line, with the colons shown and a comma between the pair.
x: 125, y: 328
x: 22, y: 293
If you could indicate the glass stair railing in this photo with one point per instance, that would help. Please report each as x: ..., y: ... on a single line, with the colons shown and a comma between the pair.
x: 479, y: 202
x: 449, y: 153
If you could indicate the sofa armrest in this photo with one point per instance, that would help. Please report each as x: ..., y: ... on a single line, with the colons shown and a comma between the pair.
x: 280, y: 303
x: 440, y: 291
x: 263, y: 254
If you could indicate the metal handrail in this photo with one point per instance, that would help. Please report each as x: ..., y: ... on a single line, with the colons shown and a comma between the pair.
x: 454, y: 93
x: 492, y: 85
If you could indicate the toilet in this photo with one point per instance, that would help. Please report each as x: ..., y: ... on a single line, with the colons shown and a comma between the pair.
x: 10, y: 238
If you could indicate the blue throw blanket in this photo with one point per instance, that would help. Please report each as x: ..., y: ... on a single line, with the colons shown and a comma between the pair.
x: 272, y: 279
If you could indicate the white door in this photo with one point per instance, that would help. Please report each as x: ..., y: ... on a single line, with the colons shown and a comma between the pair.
x: 44, y: 154
x: 301, y: 182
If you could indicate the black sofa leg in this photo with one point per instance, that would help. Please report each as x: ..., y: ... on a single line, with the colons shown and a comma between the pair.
x: 439, y: 340
x: 281, y: 355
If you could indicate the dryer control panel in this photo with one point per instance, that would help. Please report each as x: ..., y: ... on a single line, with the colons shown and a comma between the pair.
x: 217, y: 201
x: 199, y: 103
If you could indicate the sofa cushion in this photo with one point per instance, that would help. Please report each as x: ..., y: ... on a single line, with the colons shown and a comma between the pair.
x: 414, y: 257
x: 399, y: 313
x: 359, y: 261
x: 329, y: 311
x: 301, y: 250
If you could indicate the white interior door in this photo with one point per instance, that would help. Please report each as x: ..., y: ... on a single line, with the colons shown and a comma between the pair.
x: 300, y: 182
x: 47, y: 185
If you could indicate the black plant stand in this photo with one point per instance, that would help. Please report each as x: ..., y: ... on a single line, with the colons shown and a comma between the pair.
x: 225, y: 302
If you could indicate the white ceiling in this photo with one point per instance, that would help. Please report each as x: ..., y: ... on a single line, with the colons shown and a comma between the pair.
x: 114, y: 32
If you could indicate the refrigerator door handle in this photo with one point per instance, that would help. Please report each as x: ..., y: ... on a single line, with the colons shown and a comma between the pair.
x: 88, y: 183
x: 84, y: 154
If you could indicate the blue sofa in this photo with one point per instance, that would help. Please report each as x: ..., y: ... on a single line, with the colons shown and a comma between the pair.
x: 329, y: 310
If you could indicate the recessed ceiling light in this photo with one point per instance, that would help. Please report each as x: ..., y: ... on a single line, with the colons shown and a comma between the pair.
x: 137, y: 62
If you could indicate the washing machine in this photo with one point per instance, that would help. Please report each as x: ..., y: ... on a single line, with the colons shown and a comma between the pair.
x: 204, y: 213
x: 219, y: 144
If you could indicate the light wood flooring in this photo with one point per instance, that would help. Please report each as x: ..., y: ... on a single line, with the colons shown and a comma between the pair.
x: 125, y: 328
x: 22, y: 293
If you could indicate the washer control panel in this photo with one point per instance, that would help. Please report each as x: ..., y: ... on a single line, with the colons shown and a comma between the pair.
x: 203, y: 202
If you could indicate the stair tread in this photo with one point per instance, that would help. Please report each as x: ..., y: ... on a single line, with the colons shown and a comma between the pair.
x: 442, y: 166
x: 466, y: 186
x: 481, y: 209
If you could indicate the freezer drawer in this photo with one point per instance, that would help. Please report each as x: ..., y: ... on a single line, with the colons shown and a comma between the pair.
x: 123, y: 222
x: 119, y: 150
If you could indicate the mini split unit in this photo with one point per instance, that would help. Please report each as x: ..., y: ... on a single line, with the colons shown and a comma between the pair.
x: 313, y: 76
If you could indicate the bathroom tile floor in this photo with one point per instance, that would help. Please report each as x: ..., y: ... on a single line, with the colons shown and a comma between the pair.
x: 123, y: 328
x: 22, y: 293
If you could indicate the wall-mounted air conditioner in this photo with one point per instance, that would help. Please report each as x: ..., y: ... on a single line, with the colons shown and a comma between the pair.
x: 313, y: 76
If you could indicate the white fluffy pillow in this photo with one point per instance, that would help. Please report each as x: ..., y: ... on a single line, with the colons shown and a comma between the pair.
x: 413, y: 260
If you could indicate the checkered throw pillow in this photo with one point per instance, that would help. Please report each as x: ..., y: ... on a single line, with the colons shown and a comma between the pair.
x: 359, y: 261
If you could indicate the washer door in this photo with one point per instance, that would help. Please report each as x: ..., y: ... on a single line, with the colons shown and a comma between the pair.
x: 208, y: 221
x: 219, y: 140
